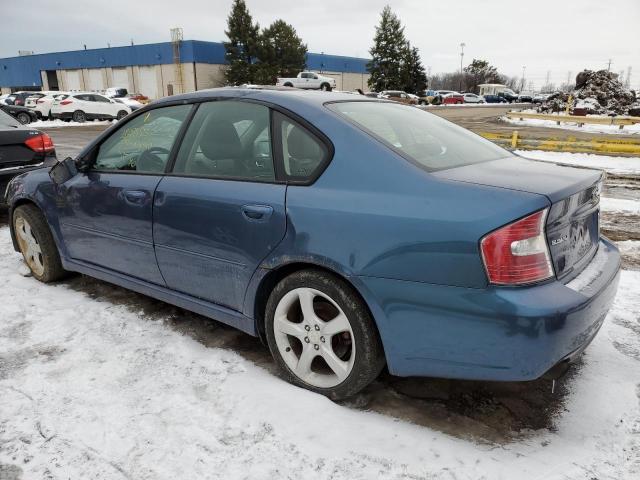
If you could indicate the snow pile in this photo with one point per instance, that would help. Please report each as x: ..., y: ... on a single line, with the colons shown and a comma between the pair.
x: 92, y: 388
x: 61, y: 123
x: 616, y: 165
x: 596, y: 92
x: 587, y: 127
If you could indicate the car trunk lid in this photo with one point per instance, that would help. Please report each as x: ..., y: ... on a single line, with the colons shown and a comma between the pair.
x: 573, y: 222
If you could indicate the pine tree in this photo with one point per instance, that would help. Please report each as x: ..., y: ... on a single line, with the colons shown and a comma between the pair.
x: 281, y: 53
x: 387, y: 53
x: 242, y: 48
x: 414, y: 75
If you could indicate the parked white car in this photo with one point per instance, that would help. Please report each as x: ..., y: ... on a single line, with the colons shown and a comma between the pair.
x: 472, y: 98
x: 83, y: 106
x: 308, y: 80
x: 41, y: 104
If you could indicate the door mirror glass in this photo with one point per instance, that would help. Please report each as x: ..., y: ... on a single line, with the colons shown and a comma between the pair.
x: 63, y: 171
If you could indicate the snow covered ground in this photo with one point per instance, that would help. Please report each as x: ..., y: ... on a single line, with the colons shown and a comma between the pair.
x: 587, y: 127
x: 92, y: 387
x: 62, y: 123
x: 615, y: 165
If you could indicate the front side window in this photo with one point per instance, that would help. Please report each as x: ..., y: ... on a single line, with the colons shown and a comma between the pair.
x: 303, y: 154
x: 144, y: 143
x: 423, y: 138
x: 228, y: 139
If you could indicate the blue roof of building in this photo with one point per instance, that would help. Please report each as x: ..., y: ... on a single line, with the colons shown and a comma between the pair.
x: 24, y: 71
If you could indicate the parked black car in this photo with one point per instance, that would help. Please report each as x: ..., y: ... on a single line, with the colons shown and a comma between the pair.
x: 23, y: 114
x: 525, y: 98
x: 508, y: 96
x: 21, y: 149
x: 494, y: 99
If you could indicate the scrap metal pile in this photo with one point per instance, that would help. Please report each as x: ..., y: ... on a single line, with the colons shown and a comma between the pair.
x: 596, y: 92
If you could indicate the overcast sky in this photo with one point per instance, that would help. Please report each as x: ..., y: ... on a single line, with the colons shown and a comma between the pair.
x: 556, y: 36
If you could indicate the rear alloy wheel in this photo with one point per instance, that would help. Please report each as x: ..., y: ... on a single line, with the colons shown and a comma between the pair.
x: 23, y: 118
x: 36, y: 244
x: 321, y: 334
x: 121, y: 114
x: 325, y: 87
x: 79, y: 116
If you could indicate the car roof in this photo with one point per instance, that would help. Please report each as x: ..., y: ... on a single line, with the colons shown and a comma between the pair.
x: 276, y: 95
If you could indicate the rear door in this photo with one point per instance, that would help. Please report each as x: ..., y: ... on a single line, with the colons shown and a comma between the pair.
x: 106, y: 213
x: 220, y: 211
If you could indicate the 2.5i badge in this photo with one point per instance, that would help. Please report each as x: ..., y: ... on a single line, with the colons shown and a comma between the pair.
x: 559, y: 240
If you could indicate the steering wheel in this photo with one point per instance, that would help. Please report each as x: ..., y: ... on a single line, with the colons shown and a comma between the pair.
x: 148, y: 161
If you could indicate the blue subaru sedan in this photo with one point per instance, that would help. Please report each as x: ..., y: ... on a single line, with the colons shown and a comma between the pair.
x: 348, y: 233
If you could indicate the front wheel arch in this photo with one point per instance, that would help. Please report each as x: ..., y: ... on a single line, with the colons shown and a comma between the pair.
x: 18, y: 203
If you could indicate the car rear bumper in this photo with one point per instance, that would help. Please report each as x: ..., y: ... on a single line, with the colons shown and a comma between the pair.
x: 497, y: 333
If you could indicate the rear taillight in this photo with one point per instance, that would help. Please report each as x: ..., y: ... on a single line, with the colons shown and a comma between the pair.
x: 40, y: 143
x: 66, y: 102
x: 518, y: 253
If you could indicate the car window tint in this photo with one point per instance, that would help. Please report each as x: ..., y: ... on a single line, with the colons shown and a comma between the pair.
x: 228, y: 139
x: 303, y: 154
x: 144, y: 143
x: 100, y: 98
x: 421, y: 137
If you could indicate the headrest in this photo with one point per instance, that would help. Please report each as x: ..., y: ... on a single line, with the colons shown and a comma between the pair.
x: 220, y: 140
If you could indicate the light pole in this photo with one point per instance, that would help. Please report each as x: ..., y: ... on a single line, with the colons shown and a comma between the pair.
x: 462, y: 45
x: 524, y: 67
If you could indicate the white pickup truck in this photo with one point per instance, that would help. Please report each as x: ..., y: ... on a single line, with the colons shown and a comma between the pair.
x: 309, y: 80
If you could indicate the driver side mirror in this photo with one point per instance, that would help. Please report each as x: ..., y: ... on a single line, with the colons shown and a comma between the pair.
x: 63, y: 171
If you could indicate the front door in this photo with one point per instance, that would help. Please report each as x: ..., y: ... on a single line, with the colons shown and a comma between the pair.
x: 220, y: 211
x: 106, y: 213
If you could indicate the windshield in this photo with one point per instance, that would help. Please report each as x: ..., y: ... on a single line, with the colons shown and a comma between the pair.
x: 421, y: 137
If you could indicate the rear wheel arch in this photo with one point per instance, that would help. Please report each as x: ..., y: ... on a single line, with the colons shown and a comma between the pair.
x: 271, y: 279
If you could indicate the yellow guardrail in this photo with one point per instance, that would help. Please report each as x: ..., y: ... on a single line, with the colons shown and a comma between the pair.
x: 580, y: 120
x: 567, y: 144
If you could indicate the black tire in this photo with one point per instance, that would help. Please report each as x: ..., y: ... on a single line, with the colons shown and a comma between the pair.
x: 288, y: 84
x: 23, y: 118
x: 369, y: 359
x: 121, y: 114
x: 325, y: 87
x: 53, y: 270
x: 79, y: 116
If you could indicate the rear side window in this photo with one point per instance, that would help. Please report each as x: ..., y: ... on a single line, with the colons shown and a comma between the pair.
x: 144, y: 143
x: 228, y: 139
x: 425, y: 139
x: 303, y: 153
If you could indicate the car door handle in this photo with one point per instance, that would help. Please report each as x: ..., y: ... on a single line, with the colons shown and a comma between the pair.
x: 257, y: 212
x: 135, y: 196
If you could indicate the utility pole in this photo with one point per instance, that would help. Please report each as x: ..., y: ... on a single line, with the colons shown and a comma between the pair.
x: 609, y: 65
x: 628, y: 82
x: 524, y: 67
x: 546, y: 82
x: 462, y: 45
x: 569, y: 79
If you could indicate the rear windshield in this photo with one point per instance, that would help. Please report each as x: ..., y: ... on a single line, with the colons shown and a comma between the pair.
x: 421, y: 137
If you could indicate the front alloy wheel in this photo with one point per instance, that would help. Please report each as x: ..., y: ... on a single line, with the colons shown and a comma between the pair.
x: 321, y: 334
x: 29, y: 246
